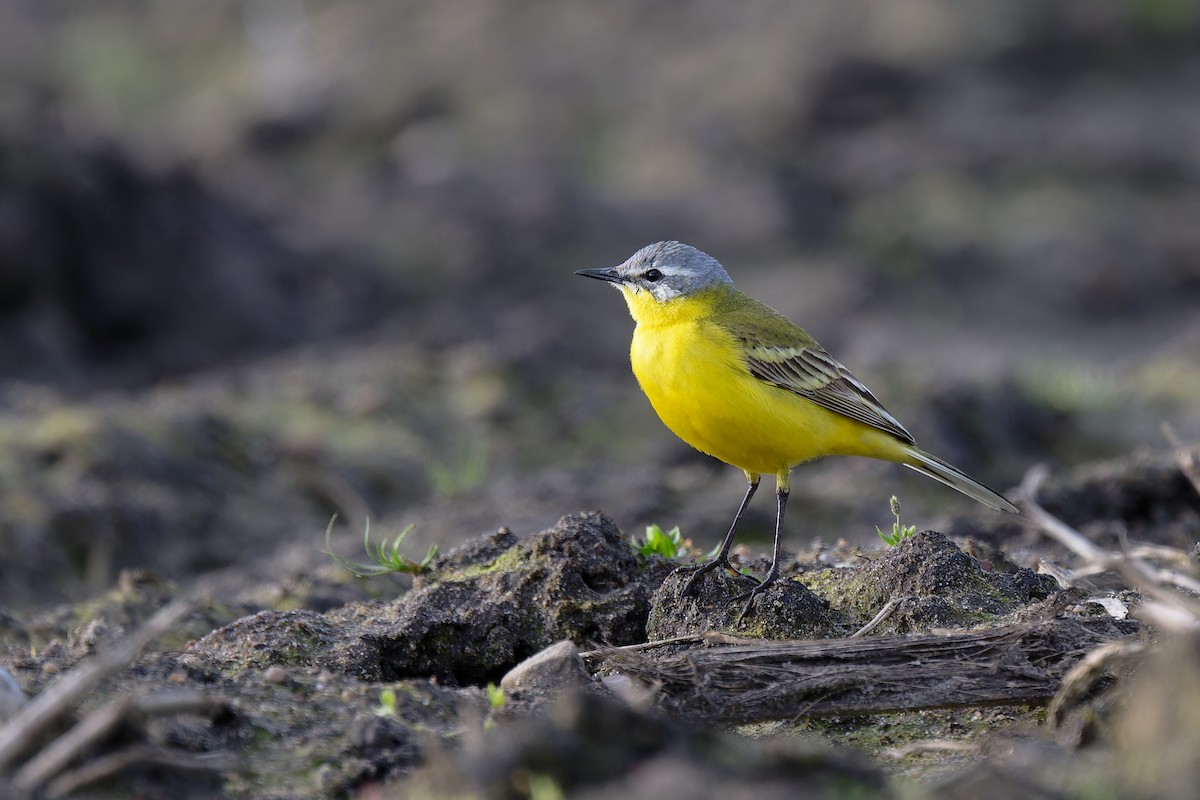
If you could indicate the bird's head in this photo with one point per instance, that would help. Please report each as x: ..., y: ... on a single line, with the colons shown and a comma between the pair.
x: 661, y: 273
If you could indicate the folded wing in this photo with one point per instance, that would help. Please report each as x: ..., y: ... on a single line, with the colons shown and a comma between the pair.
x: 813, y: 374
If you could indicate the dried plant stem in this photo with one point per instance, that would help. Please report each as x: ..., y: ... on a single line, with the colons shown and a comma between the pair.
x: 62, y: 697
x: 1151, y: 581
x: 95, y: 727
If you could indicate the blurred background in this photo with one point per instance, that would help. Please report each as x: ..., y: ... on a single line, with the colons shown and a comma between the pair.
x: 265, y: 261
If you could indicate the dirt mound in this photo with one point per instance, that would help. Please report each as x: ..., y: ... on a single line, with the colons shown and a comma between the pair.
x: 114, y: 275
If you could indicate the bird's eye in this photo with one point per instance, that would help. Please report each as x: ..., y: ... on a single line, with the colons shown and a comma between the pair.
x: 653, y: 275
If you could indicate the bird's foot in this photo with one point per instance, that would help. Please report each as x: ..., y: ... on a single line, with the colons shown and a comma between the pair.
x: 708, y: 566
x: 772, y: 576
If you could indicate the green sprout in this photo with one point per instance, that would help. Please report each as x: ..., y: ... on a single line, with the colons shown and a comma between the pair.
x: 454, y: 478
x: 384, y: 557
x: 668, y: 544
x: 495, y: 696
x: 899, y: 532
x: 496, y: 701
x: 545, y: 787
x: 387, y: 703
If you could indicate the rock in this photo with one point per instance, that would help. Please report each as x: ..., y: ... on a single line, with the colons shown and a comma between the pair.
x: 549, y: 673
x: 277, y: 674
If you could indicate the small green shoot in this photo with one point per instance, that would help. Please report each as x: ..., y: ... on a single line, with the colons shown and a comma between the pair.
x: 668, y: 544
x: 545, y: 787
x: 899, y: 532
x: 495, y: 696
x: 496, y: 701
x: 387, y: 703
x: 454, y: 478
x: 384, y: 557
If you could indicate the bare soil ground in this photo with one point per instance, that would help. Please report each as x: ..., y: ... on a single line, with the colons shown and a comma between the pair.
x: 264, y: 264
x: 960, y: 653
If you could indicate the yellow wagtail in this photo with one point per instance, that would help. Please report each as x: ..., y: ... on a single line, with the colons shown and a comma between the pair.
x: 736, y: 380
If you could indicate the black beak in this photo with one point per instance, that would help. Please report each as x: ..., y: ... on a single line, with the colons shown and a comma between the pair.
x: 601, y: 273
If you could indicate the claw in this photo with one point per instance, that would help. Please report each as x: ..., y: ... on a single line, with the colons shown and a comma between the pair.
x: 722, y: 557
x: 745, y: 610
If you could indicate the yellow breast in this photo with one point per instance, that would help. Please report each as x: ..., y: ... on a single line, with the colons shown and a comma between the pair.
x: 695, y: 376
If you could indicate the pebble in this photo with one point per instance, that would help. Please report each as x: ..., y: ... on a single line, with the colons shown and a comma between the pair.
x: 277, y: 674
x: 556, y: 669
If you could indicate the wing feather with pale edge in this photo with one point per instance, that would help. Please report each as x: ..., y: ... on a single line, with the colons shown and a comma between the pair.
x: 813, y: 374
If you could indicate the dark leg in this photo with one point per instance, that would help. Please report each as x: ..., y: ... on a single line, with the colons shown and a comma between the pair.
x: 781, y: 493
x: 721, y: 559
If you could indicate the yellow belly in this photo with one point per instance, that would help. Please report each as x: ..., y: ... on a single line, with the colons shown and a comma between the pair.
x: 695, y: 377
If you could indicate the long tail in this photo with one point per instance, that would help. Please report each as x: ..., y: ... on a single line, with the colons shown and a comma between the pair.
x: 939, y: 470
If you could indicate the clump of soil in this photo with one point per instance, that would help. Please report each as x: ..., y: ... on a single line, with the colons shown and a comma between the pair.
x: 601, y: 748
x: 786, y: 610
x: 935, y: 585
x: 929, y: 582
x: 483, y: 607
